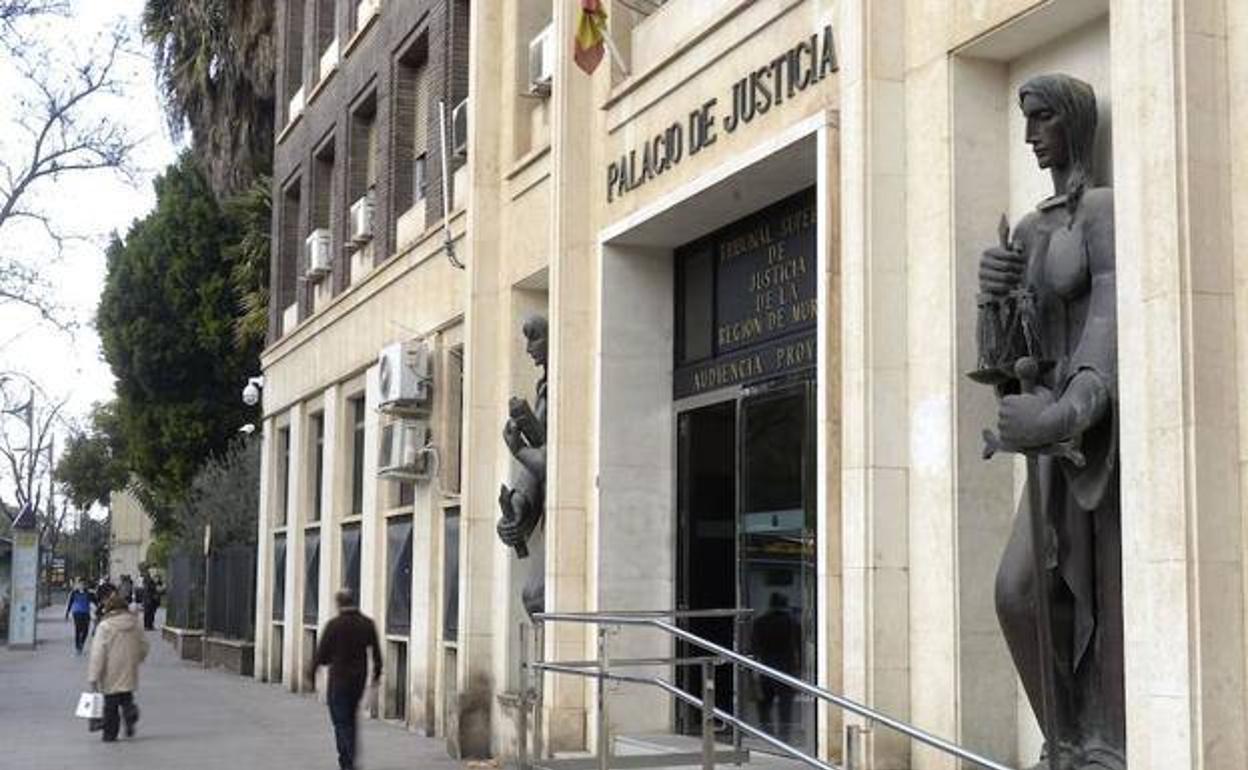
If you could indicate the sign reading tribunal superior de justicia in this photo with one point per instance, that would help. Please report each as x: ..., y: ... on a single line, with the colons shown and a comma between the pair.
x: 753, y: 95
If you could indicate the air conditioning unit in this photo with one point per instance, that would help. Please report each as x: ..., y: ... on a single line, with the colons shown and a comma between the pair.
x: 542, y: 61
x: 405, y: 453
x: 362, y: 219
x: 296, y: 105
x: 364, y: 12
x: 405, y: 378
x: 459, y: 130
x: 317, y: 246
x: 329, y: 58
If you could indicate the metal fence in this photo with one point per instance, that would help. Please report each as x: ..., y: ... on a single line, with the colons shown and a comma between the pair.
x: 231, y: 592
x: 185, y: 592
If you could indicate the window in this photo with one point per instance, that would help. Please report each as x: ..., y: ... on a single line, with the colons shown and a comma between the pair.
x: 312, y: 575
x: 450, y: 574
x: 327, y: 34
x: 351, y: 559
x: 323, y: 186
x: 399, y: 574
x: 454, y: 405
x: 279, y: 577
x: 412, y: 120
x: 289, y: 248
x: 283, y: 476
x: 356, y: 408
x: 318, y: 464
x: 362, y: 204
x: 294, y: 59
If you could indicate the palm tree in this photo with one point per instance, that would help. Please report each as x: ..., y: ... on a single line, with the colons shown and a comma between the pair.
x: 215, y: 60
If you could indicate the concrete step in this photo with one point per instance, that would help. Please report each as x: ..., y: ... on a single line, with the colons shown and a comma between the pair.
x: 662, y: 751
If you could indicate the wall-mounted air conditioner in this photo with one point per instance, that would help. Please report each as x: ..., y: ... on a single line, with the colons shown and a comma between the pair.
x: 329, y: 58
x: 405, y: 452
x: 542, y: 61
x: 317, y: 246
x: 364, y: 12
x: 405, y: 378
x: 459, y: 130
x: 362, y: 219
x: 296, y: 105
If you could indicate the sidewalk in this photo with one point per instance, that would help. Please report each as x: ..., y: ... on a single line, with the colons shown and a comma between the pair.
x: 192, y: 719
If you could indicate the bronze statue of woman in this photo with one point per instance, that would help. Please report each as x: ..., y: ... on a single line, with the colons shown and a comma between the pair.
x: 1058, y: 270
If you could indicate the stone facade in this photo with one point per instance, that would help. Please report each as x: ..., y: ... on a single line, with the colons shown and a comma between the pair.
x: 129, y: 535
x: 914, y: 146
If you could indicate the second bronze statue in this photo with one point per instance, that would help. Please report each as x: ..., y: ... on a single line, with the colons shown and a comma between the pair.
x: 523, y: 504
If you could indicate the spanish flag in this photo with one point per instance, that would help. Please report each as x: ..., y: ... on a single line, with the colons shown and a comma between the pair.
x: 591, y: 31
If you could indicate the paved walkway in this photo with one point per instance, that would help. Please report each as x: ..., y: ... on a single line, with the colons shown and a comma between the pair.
x: 192, y: 719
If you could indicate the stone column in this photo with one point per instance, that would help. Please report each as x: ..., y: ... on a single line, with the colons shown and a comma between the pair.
x: 264, y: 560
x: 573, y: 261
x: 874, y: 457
x: 332, y: 477
x: 292, y: 621
x: 1179, y: 289
x: 469, y: 725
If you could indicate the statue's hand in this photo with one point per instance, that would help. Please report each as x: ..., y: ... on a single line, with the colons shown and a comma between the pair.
x: 1031, y: 420
x: 511, y: 437
x: 511, y: 531
x: 1001, y: 270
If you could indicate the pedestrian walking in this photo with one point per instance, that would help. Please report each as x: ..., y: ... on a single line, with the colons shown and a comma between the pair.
x: 102, y: 593
x: 79, y: 605
x: 152, y: 591
x: 116, y: 652
x: 126, y: 589
x: 344, y: 646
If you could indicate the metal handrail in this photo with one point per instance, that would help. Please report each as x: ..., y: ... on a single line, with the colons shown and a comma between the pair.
x: 633, y: 619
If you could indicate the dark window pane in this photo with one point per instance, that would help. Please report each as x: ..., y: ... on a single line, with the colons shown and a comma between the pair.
x: 357, y: 457
x: 283, y: 438
x: 279, y: 577
x: 407, y: 494
x: 318, y: 464
x: 399, y: 574
x: 351, y: 559
x: 695, y: 307
x: 450, y: 575
x: 312, y: 575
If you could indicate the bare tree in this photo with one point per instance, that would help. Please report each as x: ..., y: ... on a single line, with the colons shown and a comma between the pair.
x: 58, y: 128
x: 27, y: 421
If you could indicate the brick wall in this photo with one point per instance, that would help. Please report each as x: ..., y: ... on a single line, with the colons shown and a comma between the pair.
x: 367, y: 82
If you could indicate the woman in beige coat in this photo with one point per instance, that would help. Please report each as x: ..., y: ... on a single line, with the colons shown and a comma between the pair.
x: 116, y: 653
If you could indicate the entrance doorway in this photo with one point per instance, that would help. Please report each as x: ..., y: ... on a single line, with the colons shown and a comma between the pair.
x: 746, y: 539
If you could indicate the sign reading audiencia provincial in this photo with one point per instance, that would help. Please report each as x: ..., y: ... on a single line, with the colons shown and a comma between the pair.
x: 753, y: 95
x: 745, y: 300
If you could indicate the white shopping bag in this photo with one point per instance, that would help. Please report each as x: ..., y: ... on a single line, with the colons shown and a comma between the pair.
x: 90, y: 706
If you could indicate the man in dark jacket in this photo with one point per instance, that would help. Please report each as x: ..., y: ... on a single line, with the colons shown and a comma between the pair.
x: 343, y: 646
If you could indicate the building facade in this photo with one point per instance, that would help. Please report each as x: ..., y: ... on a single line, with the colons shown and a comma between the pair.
x: 755, y: 235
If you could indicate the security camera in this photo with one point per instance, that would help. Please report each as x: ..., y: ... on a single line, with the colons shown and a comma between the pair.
x: 247, y: 429
x: 251, y: 391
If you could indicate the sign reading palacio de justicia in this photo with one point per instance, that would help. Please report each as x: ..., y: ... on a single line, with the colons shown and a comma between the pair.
x: 753, y: 95
x: 746, y: 300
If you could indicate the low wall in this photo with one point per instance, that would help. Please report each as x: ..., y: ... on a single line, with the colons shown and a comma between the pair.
x: 189, y: 643
x: 230, y: 654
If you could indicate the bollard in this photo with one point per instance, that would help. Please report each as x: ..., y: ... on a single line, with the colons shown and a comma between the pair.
x: 708, y: 715
x: 604, y: 739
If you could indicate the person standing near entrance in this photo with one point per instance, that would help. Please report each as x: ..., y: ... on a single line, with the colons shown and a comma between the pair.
x: 777, y: 643
x: 344, y: 648
x: 79, y: 605
x: 116, y: 652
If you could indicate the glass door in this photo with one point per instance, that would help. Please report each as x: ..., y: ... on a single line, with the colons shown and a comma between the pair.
x: 746, y: 538
x: 776, y: 564
x: 706, y: 564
